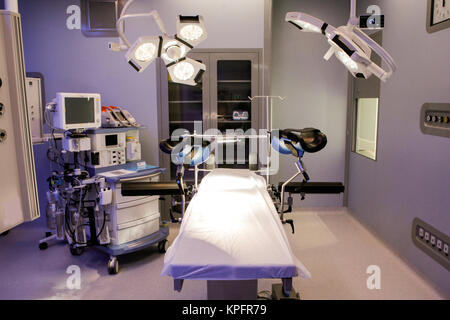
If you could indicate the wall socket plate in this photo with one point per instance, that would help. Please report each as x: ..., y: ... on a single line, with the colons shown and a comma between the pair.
x: 435, y: 119
x: 431, y: 241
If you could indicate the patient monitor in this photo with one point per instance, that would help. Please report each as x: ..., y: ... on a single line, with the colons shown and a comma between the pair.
x: 77, y: 111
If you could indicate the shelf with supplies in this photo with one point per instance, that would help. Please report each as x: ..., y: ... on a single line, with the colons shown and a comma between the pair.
x: 115, y: 130
x: 234, y: 121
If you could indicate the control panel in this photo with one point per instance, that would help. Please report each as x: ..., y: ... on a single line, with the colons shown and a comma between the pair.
x: 435, y: 119
x: 431, y: 241
x: 107, y: 158
x: 35, y: 106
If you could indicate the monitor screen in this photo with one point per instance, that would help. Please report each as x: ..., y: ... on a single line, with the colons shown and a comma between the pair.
x: 111, y: 140
x: 102, y: 15
x: 79, y: 110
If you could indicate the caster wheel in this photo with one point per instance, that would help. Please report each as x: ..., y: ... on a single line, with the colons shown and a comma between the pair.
x: 48, y: 234
x: 162, y: 246
x: 113, y: 266
x: 4, y: 233
x: 76, y: 251
x: 43, y: 245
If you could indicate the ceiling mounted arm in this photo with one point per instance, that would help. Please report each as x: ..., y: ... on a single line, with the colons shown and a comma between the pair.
x: 351, y: 46
x: 124, y: 16
x: 353, y: 20
x: 172, y: 50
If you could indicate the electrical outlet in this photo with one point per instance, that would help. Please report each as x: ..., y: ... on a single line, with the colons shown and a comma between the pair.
x: 421, y: 232
x: 439, y: 244
x: 431, y: 241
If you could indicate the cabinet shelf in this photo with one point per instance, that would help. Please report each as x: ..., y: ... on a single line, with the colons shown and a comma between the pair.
x: 233, y: 101
x: 234, y: 121
x: 184, y: 121
x: 234, y: 81
x: 180, y: 102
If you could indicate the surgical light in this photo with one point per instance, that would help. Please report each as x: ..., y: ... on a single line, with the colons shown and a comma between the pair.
x: 347, y: 61
x: 305, y: 22
x: 145, y: 52
x: 183, y: 71
x: 191, y: 32
x: 142, y: 53
x: 186, y: 70
x: 172, y: 50
x: 191, y: 29
x: 351, y: 46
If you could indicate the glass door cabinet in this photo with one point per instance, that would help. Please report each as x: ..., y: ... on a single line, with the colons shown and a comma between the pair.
x: 220, y: 101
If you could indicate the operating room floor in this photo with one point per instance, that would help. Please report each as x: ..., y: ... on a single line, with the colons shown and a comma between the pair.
x: 331, y: 244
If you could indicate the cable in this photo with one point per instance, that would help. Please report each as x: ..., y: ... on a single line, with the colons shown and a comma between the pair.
x: 104, y: 223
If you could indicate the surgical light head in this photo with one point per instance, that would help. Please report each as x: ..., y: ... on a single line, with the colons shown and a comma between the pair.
x: 143, y: 52
x: 349, y: 44
x: 191, y: 29
x: 305, y: 22
x: 172, y: 50
x: 186, y: 70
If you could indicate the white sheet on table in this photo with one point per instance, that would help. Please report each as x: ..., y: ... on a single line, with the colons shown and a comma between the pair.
x: 231, y: 231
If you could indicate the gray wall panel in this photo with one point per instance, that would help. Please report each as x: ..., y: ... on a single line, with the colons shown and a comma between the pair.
x: 316, y: 91
x: 411, y: 177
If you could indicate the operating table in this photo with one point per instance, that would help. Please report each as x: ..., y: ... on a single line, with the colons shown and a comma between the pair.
x: 232, y: 229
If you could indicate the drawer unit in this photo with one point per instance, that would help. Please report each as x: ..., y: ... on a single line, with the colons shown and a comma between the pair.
x: 135, y: 230
x: 135, y: 210
x: 119, y: 199
x: 132, y: 218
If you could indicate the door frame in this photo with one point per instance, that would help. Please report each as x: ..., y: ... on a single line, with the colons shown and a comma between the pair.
x: 359, y: 88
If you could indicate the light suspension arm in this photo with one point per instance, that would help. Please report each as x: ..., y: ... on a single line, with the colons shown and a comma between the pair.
x: 123, y: 17
x: 384, y: 55
x: 354, y: 20
x: 349, y: 44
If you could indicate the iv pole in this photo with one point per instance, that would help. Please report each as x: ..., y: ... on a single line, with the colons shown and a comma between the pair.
x: 269, y: 101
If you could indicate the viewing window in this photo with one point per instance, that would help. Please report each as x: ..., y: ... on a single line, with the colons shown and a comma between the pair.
x: 366, y: 130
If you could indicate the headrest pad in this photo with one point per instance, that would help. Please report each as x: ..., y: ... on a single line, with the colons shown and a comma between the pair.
x: 197, y: 154
x: 311, y: 139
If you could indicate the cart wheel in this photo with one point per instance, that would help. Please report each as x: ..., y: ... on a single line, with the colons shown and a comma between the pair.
x: 4, y: 233
x: 48, y: 234
x: 76, y: 251
x: 43, y: 245
x: 162, y: 246
x: 113, y: 266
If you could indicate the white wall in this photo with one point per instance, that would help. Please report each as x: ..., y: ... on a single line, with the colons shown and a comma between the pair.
x: 316, y: 91
x: 411, y: 177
